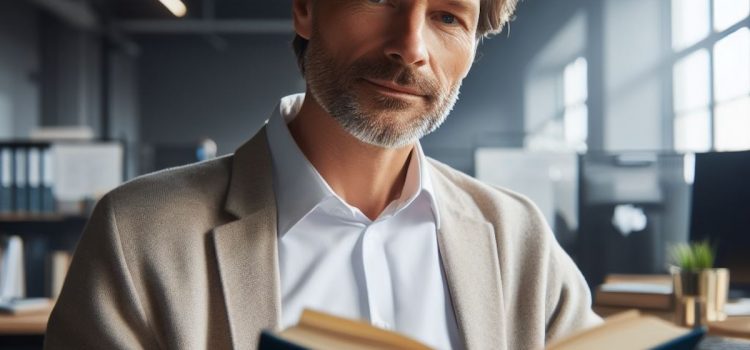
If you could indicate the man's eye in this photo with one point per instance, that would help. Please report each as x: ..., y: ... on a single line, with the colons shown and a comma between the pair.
x: 448, y: 19
x: 378, y: 1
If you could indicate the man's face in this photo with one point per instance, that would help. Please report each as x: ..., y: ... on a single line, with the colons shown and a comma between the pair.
x: 390, y: 71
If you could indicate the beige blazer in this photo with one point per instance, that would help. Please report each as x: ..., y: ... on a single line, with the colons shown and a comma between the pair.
x: 187, y: 259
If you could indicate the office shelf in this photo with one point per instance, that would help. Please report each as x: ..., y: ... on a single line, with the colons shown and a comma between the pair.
x: 42, y: 217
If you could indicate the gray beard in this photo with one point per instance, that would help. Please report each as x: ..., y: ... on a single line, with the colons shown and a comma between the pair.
x: 334, y: 91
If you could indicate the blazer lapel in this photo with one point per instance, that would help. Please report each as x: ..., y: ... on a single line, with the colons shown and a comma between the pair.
x: 246, y: 248
x: 469, y: 255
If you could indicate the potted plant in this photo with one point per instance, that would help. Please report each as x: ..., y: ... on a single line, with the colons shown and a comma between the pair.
x: 700, y: 288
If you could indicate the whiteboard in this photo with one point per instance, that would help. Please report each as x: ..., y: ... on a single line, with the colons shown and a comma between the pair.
x: 85, y: 170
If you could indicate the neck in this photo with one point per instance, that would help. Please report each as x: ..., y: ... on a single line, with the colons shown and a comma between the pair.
x: 365, y: 176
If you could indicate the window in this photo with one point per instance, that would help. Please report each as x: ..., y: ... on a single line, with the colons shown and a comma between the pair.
x: 575, y: 111
x: 564, y: 122
x: 711, y: 75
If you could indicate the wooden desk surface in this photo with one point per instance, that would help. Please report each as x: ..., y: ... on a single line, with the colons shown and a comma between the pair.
x: 25, y: 324
x: 734, y: 326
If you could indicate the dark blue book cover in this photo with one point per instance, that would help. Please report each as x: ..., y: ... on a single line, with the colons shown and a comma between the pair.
x: 34, y: 180
x: 20, y: 181
x: 687, y: 341
x: 6, y: 180
x: 269, y: 341
x: 48, y: 197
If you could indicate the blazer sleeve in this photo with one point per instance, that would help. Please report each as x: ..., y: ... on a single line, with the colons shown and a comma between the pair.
x: 570, y: 298
x: 98, y: 307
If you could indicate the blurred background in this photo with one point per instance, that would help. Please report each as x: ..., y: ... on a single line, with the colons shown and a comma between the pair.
x: 626, y: 121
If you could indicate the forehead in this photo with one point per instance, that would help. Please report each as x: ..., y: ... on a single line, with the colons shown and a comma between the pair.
x: 468, y: 5
x: 458, y: 4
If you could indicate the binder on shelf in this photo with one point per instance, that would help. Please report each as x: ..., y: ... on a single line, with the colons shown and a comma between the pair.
x: 6, y: 180
x: 34, y: 180
x: 20, y: 181
x: 48, y: 180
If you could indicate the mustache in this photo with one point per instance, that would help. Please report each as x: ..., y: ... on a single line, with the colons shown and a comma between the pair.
x: 384, y: 69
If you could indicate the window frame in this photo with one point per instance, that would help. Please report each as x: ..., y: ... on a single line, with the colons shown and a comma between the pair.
x: 674, y: 57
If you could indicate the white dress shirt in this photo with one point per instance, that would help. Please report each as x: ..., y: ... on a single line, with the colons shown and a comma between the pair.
x: 335, y: 259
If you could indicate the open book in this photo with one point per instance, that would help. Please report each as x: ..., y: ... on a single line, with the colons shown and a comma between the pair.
x: 632, y: 330
x: 629, y: 330
x: 317, y: 330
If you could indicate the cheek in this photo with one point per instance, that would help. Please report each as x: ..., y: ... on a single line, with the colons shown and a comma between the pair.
x: 349, y: 30
x: 452, y: 60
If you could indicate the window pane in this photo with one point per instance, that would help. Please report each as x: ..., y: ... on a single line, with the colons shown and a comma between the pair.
x: 574, y: 82
x: 576, y: 126
x: 689, y: 22
x: 732, y: 65
x: 729, y: 12
x: 691, y: 131
x: 733, y: 125
x: 690, y: 82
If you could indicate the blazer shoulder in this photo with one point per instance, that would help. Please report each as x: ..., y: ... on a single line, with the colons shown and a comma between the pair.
x: 197, y: 181
x: 183, y: 199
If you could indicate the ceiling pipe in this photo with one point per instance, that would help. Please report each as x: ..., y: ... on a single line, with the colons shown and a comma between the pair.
x: 194, y: 26
x: 75, y: 13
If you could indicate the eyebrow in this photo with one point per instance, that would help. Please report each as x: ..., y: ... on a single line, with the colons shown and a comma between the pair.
x: 462, y: 5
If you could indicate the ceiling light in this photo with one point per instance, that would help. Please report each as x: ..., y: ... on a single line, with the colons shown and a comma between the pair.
x: 175, y: 6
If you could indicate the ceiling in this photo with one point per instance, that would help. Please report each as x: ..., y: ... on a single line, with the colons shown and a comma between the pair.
x: 197, y: 9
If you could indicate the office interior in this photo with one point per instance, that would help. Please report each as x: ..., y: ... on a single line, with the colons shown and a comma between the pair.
x: 626, y: 122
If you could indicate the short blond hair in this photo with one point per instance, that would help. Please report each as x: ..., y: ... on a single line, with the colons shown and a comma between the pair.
x: 493, y: 15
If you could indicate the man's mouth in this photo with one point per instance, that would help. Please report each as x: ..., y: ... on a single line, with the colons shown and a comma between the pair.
x: 391, y: 88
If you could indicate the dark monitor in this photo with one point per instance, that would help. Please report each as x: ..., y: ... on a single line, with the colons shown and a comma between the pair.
x: 720, y: 211
x: 642, y: 185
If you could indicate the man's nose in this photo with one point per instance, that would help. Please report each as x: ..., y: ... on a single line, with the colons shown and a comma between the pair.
x: 406, y: 43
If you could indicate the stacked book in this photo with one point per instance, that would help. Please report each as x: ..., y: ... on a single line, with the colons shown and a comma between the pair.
x: 652, y: 292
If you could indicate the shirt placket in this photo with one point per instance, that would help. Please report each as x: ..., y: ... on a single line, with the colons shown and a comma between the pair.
x: 377, y: 278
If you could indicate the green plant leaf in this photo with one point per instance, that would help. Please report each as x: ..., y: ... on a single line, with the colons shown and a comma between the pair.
x: 694, y: 256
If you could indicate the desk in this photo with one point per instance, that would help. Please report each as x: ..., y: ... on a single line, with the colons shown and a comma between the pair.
x: 732, y: 333
x: 734, y: 326
x: 26, y: 324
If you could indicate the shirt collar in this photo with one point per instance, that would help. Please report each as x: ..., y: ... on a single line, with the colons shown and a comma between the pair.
x: 298, y: 186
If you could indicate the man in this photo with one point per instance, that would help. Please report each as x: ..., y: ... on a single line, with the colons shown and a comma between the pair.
x: 331, y: 206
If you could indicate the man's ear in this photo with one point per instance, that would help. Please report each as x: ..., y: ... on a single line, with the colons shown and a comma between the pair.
x: 302, y: 13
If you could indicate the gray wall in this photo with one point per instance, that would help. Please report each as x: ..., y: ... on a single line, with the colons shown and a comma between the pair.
x: 124, y: 117
x: 189, y: 89
x: 19, y: 69
x: 71, y: 75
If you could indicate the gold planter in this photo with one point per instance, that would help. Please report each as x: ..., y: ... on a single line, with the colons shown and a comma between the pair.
x: 700, y: 296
